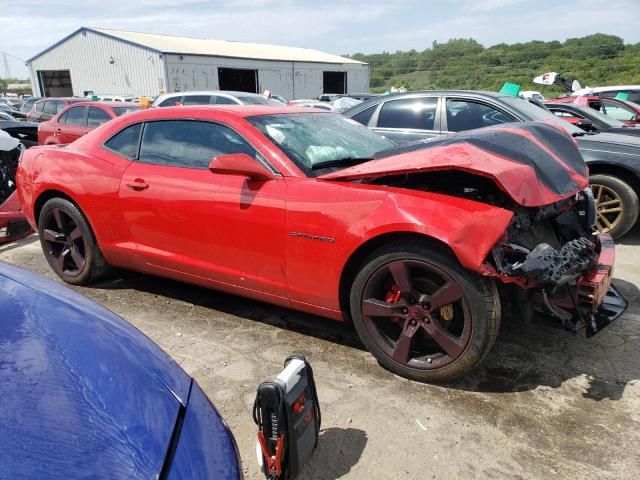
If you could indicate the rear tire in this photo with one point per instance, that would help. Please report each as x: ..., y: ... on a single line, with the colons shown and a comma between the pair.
x: 421, y: 314
x: 617, y: 205
x: 69, y: 244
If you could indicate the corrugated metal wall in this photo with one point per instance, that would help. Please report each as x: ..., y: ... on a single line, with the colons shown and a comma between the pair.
x: 106, y: 65
x: 289, y: 79
x: 87, y: 55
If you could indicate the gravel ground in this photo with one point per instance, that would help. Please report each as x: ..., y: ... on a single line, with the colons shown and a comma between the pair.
x: 545, y: 404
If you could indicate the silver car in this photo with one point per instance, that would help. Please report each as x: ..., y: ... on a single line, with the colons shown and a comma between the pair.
x: 212, y: 97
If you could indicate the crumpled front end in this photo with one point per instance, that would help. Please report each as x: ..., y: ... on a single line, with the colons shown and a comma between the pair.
x: 13, y: 224
x: 553, y: 261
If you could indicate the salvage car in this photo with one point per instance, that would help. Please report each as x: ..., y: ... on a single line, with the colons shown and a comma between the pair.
x: 306, y: 209
x: 13, y: 224
x: 590, y: 120
x: 47, y: 108
x: 79, y: 119
x: 89, y: 395
x: 622, y: 110
x: 212, y: 97
x: 614, y: 160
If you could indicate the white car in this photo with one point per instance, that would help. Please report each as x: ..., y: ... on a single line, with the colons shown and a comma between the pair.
x: 212, y: 97
x: 532, y: 94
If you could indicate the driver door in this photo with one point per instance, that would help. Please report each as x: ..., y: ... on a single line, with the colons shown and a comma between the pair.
x: 185, y: 219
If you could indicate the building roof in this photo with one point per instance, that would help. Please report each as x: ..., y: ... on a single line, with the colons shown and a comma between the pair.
x: 217, y: 48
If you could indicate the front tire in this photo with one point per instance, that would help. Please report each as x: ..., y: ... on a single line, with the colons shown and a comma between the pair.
x: 421, y: 314
x: 69, y: 244
x: 617, y: 205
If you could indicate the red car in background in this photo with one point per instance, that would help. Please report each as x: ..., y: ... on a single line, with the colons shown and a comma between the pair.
x: 622, y: 110
x: 79, y: 119
x: 421, y: 246
x: 47, y: 108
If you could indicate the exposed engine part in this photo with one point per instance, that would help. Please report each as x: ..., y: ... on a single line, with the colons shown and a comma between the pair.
x: 10, y: 150
x: 558, y: 312
x: 557, y: 267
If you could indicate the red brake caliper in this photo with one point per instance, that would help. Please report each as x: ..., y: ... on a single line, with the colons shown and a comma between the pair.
x: 393, y: 296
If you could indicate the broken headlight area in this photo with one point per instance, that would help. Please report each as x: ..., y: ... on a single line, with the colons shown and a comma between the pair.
x: 10, y: 150
x: 552, y: 261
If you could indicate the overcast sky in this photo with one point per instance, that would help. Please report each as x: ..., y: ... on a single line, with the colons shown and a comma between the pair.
x: 349, y: 26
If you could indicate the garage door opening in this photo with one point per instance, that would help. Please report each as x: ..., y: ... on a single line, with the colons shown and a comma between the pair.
x: 238, y: 79
x: 55, y: 83
x: 334, y: 82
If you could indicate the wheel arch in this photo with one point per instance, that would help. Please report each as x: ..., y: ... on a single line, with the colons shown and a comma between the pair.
x: 622, y: 172
x: 357, y: 258
x: 47, y: 195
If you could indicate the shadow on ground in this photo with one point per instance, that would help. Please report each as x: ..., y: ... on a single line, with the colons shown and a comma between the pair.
x: 19, y: 243
x: 523, y: 358
x: 339, y: 449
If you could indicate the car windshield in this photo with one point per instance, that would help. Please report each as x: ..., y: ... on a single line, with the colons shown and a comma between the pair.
x: 606, y: 119
x: 317, y: 141
x: 258, y: 100
x: 122, y: 110
x: 535, y: 113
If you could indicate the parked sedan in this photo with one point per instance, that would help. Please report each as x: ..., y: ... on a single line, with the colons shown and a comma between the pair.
x: 47, y: 108
x: 79, y: 119
x: 306, y: 209
x: 28, y: 104
x: 613, y: 159
x: 212, y: 97
x: 86, y: 394
x: 622, y: 110
x: 590, y: 120
x: 11, y: 110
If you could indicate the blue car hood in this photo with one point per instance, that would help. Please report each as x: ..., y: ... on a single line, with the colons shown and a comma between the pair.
x: 83, y: 392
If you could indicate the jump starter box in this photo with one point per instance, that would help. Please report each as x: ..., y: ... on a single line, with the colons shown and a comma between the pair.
x: 287, y: 413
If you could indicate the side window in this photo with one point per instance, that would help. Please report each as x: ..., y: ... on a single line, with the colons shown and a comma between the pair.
x: 49, y: 108
x: 416, y: 113
x: 170, y: 102
x: 40, y: 107
x: 196, y: 99
x: 466, y: 115
x: 60, y: 106
x: 189, y: 143
x: 222, y: 100
x: 364, y: 116
x: 617, y: 111
x: 97, y: 117
x: 125, y: 143
x: 63, y: 118
x: 76, y: 116
x: 566, y: 114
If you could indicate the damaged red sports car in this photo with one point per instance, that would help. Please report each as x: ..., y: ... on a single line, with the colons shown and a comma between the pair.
x: 422, y: 246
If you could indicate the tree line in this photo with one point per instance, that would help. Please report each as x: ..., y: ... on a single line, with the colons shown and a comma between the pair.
x: 464, y: 63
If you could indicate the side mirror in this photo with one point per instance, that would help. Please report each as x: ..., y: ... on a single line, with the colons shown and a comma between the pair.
x: 585, y: 124
x: 240, y: 164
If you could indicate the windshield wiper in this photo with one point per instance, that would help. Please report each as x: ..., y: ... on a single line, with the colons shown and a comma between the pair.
x: 341, y: 161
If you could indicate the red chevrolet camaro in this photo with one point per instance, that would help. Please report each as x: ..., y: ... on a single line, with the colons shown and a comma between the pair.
x: 421, y: 246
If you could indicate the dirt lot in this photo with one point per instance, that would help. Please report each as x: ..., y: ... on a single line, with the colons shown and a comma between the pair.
x: 546, y: 403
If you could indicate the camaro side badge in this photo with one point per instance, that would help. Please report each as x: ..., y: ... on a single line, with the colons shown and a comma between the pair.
x: 313, y: 237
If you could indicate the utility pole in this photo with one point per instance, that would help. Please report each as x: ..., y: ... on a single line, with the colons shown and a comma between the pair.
x: 7, y: 72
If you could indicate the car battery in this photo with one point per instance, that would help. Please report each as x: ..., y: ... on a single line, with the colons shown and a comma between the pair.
x: 287, y: 413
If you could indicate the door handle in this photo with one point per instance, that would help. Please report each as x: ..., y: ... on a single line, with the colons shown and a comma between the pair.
x: 57, y: 132
x: 138, y: 184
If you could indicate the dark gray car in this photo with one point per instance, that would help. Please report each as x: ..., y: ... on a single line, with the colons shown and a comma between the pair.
x: 614, y: 159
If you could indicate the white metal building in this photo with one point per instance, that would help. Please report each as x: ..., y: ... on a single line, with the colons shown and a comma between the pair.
x: 129, y: 63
